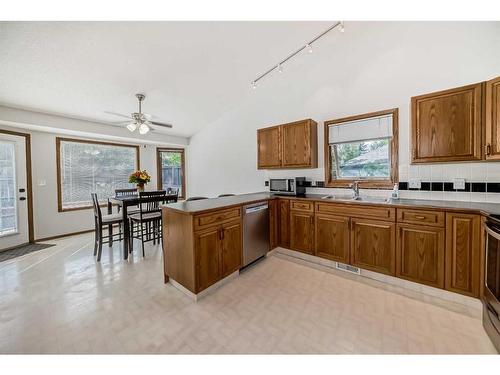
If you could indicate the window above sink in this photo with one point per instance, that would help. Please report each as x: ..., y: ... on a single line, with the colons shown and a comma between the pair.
x: 362, y: 148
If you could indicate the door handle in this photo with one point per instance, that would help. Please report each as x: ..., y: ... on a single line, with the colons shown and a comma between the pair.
x: 22, y: 190
x: 22, y: 198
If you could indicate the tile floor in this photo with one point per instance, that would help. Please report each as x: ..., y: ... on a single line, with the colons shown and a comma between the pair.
x: 59, y: 300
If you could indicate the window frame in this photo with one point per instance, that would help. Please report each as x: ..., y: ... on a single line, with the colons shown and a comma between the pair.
x: 159, y: 180
x: 372, y: 183
x: 60, y: 207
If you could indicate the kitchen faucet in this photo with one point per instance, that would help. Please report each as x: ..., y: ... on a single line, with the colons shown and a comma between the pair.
x: 355, y: 188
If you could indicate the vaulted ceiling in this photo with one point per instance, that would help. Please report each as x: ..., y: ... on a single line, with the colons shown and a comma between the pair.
x: 191, y: 72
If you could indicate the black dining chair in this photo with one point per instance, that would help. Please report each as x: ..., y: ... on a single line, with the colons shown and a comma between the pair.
x: 100, y: 221
x: 127, y: 193
x: 225, y: 195
x: 172, y: 195
x: 146, y: 225
x: 195, y: 199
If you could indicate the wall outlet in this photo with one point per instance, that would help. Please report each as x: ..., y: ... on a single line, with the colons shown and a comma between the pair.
x: 266, y: 183
x: 414, y: 183
x: 459, y: 183
x: 313, y: 183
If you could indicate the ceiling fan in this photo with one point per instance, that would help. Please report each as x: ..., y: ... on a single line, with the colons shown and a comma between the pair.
x: 139, y: 120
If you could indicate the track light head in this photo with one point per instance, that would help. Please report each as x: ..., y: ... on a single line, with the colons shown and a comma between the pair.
x: 341, y: 27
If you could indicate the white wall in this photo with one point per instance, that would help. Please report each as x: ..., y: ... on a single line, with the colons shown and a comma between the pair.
x: 48, y: 221
x: 372, y: 66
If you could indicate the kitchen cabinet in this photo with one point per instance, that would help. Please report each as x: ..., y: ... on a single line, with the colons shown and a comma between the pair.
x: 284, y: 223
x: 332, y: 237
x: 273, y: 224
x: 373, y: 245
x: 231, y: 248
x: 269, y: 147
x: 463, y: 253
x: 447, y: 125
x: 292, y: 145
x: 492, y: 119
x: 420, y: 254
x: 302, y: 231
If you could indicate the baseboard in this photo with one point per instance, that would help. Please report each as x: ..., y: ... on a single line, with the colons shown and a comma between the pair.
x: 210, y: 289
x: 64, y: 235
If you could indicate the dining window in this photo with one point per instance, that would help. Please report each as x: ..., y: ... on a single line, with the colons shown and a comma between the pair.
x: 85, y: 167
x: 362, y: 148
x: 171, y: 168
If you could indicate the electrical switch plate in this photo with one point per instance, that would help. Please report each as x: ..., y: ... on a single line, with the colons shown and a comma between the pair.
x: 459, y: 183
x: 414, y: 183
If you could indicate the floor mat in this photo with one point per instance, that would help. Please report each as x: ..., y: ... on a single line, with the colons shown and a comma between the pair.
x: 22, y: 250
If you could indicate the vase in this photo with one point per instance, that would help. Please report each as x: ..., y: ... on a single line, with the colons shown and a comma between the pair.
x: 140, y: 187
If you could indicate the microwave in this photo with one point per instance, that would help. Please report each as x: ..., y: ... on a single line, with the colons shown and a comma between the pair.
x: 288, y: 186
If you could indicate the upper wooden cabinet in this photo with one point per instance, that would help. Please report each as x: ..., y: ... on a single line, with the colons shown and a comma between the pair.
x: 447, y: 125
x: 293, y: 145
x: 492, y: 119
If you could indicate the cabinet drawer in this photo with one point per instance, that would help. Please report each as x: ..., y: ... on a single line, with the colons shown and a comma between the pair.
x: 214, y: 218
x: 433, y: 218
x: 357, y: 210
x: 302, y: 206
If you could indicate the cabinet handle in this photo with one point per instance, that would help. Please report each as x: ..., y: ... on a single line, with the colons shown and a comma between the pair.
x: 487, y: 149
x: 419, y: 217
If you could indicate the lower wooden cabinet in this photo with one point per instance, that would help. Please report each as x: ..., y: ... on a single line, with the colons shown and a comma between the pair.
x: 218, y: 253
x: 273, y: 224
x: 373, y: 245
x: 302, y: 231
x: 420, y: 254
x: 463, y: 253
x: 332, y: 237
x: 284, y: 223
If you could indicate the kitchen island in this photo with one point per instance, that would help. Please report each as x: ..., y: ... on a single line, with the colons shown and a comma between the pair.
x: 404, y: 238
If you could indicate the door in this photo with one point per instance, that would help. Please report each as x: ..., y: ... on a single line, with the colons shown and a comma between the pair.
x: 231, y: 248
x: 463, y: 252
x: 269, y: 147
x: 492, y: 119
x: 373, y: 245
x: 14, y: 226
x: 284, y: 223
x: 297, y: 144
x: 301, y: 232
x: 332, y: 237
x: 446, y: 125
x: 420, y: 254
x: 170, y: 163
x: 207, y: 247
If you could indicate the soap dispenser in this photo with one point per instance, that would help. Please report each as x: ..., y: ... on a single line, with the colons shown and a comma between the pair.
x: 395, y: 192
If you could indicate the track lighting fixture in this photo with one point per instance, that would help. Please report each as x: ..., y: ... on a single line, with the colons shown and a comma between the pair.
x: 307, y: 47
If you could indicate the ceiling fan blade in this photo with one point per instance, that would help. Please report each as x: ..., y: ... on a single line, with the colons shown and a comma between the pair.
x: 117, y: 114
x: 165, y: 125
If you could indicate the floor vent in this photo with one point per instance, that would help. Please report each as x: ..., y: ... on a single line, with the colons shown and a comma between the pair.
x: 347, y: 268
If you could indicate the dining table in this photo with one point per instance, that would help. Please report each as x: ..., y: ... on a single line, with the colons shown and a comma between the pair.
x: 126, y: 201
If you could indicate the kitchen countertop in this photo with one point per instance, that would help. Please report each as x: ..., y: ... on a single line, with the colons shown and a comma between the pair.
x: 200, y: 206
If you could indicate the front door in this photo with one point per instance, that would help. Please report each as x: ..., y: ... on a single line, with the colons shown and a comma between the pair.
x: 14, y: 228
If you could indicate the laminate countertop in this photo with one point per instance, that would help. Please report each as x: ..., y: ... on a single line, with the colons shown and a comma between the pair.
x: 200, y: 206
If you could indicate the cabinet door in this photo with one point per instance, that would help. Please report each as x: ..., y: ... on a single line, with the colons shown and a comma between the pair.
x: 298, y: 144
x: 231, y: 248
x: 273, y: 224
x: 284, y: 223
x: 420, y: 254
x: 373, y: 245
x: 332, y: 237
x: 269, y: 147
x: 463, y: 252
x: 493, y: 119
x: 207, y: 247
x: 446, y: 125
x: 301, y: 232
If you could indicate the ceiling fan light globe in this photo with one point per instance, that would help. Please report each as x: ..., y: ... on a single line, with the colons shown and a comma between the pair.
x: 143, y: 129
x: 132, y: 126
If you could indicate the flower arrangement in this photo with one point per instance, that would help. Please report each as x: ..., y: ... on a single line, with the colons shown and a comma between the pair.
x: 140, y: 178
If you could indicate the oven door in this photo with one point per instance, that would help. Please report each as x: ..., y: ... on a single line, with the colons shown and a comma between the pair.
x: 492, y: 269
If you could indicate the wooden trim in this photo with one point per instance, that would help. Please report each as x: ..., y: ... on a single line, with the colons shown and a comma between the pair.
x: 159, y: 178
x: 365, y: 183
x: 29, y: 180
x: 58, y: 166
x: 64, y: 235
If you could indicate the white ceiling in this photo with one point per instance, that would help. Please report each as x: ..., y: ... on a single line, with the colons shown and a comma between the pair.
x: 191, y: 72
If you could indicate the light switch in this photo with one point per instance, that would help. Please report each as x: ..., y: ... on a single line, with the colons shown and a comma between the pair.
x: 414, y: 183
x: 459, y: 183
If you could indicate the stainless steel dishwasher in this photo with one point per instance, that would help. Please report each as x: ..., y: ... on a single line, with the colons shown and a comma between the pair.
x: 255, y: 232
